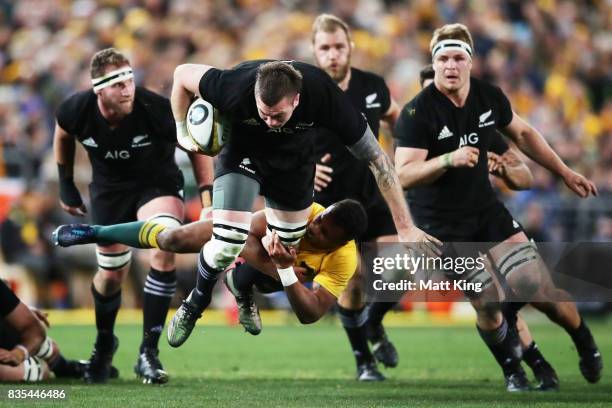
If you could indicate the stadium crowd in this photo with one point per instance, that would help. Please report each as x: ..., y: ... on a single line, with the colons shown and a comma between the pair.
x: 550, y: 57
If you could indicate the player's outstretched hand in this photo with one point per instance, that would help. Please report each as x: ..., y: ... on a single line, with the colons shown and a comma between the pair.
x: 579, y: 184
x: 421, y: 242
x: 280, y: 255
x: 466, y: 156
x: 323, y: 173
x: 78, y: 211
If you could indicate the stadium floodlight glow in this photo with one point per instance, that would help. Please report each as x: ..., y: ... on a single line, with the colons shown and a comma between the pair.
x: 112, y: 78
x: 451, y: 44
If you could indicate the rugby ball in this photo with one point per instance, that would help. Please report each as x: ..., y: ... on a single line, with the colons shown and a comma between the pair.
x: 203, y: 129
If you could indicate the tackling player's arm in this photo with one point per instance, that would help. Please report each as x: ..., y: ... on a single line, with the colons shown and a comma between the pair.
x: 532, y: 143
x: 308, y: 305
x: 368, y: 149
x: 64, y: 147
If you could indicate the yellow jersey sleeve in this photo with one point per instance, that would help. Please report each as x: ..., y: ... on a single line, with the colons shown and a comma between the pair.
x: 337, y: 268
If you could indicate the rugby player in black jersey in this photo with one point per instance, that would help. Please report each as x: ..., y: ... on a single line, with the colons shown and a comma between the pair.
x: 339, y: 175
x: 335, y: 178
x: 440, y: 135
x: 130, y: 138
x: 505, y: 163
x: 269, y: 109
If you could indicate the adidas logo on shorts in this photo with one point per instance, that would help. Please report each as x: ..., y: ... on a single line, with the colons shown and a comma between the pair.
x: 444, y: 133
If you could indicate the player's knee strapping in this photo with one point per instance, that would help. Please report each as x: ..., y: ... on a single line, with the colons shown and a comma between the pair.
x: 517, y: 257
x: 46, y: 349
x: 113, y: 261
x: 479, y: 276
x: 227, y: 242
x: 289, y: 233
x: 32, y: 369
x: 147, y: 236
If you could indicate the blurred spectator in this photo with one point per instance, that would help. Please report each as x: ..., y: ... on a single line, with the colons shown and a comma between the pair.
x: 534, y: 223
x: 603, y: 232
x: 24, y: 240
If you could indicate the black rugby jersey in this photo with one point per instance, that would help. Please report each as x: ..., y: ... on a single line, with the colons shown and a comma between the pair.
x: 8, y: 300
x: 322, y: 104
x: 351, y: 177
x: 139, y: 152
x: 431, y: 121
x: 498, y: 144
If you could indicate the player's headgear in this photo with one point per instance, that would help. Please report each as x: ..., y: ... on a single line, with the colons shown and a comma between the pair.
x: 451, y: 36
x: 109, y: 57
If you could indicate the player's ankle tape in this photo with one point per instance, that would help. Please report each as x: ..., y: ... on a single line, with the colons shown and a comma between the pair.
x: 287, y: 276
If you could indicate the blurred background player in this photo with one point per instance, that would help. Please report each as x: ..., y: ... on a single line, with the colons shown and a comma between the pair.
x: 326, y: 256
x: 271, y: 107
x: 440, y: 134
x: 336, y: 177
x: 129, y: 135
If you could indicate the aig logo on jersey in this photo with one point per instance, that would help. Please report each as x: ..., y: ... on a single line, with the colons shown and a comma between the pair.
x: 471, y: 139
x: 117, y: 155
x: 482, y: 119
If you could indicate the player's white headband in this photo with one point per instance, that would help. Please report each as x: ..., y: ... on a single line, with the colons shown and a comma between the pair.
x: 456, y: 45
x: 112, y: 77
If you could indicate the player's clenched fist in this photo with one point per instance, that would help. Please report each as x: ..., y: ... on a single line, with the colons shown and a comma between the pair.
x: 466, y: 156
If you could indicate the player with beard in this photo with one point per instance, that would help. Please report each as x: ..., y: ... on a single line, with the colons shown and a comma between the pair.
x: 441, y: 134
x: 335, y: 177
x: 130, y: 138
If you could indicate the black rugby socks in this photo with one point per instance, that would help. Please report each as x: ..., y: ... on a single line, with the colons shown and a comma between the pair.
x: 106, y: 308
x: 353, y: 322
x: 159, y: 289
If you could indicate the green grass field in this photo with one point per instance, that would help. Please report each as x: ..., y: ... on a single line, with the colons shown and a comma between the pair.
x: 311, y: 366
